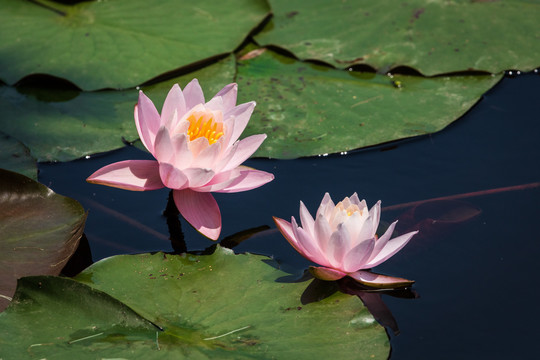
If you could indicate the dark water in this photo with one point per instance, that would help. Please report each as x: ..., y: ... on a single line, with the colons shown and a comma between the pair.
x: 476, y: 279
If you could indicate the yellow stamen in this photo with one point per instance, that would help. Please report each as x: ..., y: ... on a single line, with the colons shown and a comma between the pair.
x: 204, y: 125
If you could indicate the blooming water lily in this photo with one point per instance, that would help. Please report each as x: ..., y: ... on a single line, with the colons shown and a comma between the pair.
x: 197, y: 151
x: 342, y: 240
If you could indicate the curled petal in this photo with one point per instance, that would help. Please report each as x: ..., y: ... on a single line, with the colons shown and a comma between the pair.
x: 172, y: 177
x: 285, y: 228
x: 198, y: 176
x: 324, y: 273
x: 392, y: 247
x: 208, y: 156
x: 200, y: 210
x: 182, y: 154
x: 357, y: 257
x: 193, y: 94
x: 322, y: 232
x: 147, y: 121
x: 381, y: 242
x: 307, y: 220
x: 243, y: 150
x: 215, y: 104
x: 379, y: 281
x: 326, y: 207
x: 241, y: 113
x: 174, y: 104
x: 163, y: 147
x: 375, y: 215
x: 136, y: 175
x: 310, y: 246
x: 228, y: 94
x: 248, y: 179
x: 338, y: 246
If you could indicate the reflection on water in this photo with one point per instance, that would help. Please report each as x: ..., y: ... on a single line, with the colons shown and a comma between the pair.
x: 477, y: 281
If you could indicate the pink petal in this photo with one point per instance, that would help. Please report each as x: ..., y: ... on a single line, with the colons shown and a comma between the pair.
x: 163, y: 147
x: 248, y: 179
x: 392, y: 247
x: 198, y: 145
x: 193, y: 94
x: 208, y: 156
x: 216, y: 104
x: 380, y: 243
x: 375, y: 215
x: 357, y: 257
x: 200, y: 210
x: 307, y: 220
x: 322, y: 232
x: 379, y: 281
x: 228, y: 94
x: 174, y: 102
x: 326, y: 207
x: 285, y: 228
x: 355, y: 200
x: 243, y: 150
x: 337, y: 247
x: 147, y: 121
x: 172, y: 177
x: 221, y: 180
x: 183, y: 157
x: 241, y: 114
x: 324, y: 273
x: 198, y: 176
x: 136, y: 175
x: 310, y: 245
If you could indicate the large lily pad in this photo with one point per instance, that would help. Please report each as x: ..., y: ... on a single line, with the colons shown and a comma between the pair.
x: 309, y: 109
x: 65, y: 124
x: 431, y: 36
x: 119, y: 43
x: 219, y: 306
x: 16, y: 157
x: 39, y: 230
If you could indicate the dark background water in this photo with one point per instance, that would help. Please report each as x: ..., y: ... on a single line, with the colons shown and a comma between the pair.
x: 476, y: 279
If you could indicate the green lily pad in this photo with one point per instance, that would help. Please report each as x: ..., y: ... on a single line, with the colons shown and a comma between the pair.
x: 40, y: 230
x: 433, y: 37
x: 219, y: 306
x: 122, y: 43
x: 65, y: 124
x: 16, y: 157
x: 307, y: 109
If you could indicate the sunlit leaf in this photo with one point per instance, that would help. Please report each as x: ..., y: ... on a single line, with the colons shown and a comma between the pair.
x: 308, y: 109
x: 433, y: 37
x: 219, y: 306
x: 39, y: 230
x: 121, y: 43
x: 65, y: 124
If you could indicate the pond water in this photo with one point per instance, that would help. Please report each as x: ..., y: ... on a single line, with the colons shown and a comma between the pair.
x: 474, y: 262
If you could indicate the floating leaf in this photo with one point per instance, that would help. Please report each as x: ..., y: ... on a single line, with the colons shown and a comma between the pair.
x: 219, y: 306
x: 308, y: 109
x: 431, y: 36
x: 16, y: 157
x: 120, y: 43
x: 65, y: 124
x: 39, y: 230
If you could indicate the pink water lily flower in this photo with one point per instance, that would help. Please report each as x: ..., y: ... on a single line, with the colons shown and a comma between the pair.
x: 342, y: 240
x: 197, y: 151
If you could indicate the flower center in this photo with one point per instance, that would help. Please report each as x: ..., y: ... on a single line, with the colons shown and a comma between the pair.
x: 204, y: 124
x: 350, y: 209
